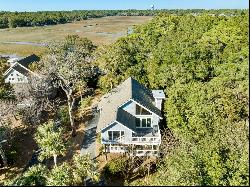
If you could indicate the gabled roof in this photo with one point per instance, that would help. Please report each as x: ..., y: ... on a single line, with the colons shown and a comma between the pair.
x: 126, y: 119
x: 130, y: 89
x: 28, y: 60
x: 22, y: 65
x: 21, y: 69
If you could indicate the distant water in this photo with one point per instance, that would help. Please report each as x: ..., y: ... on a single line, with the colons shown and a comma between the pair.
x: 25, y: 43
x: 9, y: 56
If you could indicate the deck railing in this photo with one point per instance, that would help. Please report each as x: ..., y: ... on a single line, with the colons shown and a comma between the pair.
x: 116, y: 149
x: 118, y: 140
x: 121, y: 149
x: 142, y: 140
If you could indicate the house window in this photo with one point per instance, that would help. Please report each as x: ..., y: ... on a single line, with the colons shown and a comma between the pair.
x: 9, y: 78
x: 143, y: 122
x: 137, y: 122
x: 114, y: 135
x: 141, y: 111
x: 17, y: 74
x: 13, y: 79
x: 11, y: 74
x: 148, y: 122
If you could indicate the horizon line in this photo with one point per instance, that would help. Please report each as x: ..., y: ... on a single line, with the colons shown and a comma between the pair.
x: 126, y: 9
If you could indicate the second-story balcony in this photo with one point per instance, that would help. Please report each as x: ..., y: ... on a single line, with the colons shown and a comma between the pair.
x: 146, y: 140
x: 146, y: 136
x: 142, y: 136
x: 119, y: 140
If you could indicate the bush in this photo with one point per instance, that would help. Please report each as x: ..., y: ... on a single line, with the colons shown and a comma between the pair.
x: 60, y: 175
x: 63, y: 115
x: 86, y: 102
x: 115, y: 168
x: 34, y: 176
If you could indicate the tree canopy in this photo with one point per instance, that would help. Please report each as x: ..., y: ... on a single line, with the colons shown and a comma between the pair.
x: 201, y: 63
x: 49, y: 139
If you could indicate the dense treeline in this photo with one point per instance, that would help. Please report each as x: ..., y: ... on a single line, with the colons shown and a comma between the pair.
x: 201, y: 62
x: 41, y: 18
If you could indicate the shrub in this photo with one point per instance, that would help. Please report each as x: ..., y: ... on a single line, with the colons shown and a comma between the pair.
x: 34, y: 176
x: 115, y: 168
x: 63, y: 115
x: 86, y: 102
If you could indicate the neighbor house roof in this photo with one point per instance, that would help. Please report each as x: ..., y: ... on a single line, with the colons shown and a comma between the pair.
x: 130, y: 89
x: 22, y: 65
x: 28, y: 60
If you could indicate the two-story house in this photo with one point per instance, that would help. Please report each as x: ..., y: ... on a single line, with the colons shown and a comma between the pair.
x: 19, y: 71
x: 129, y: 119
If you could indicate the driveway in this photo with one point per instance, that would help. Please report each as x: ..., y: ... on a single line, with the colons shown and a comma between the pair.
x: 88, y: 143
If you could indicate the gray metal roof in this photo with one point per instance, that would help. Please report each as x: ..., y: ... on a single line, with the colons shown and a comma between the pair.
x: 110, y: 103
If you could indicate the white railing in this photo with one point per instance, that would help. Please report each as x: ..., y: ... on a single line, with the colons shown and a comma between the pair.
x: 121, y: 149
x: 121, y: 139
x: 116, y: 149
x: 118, y: 140
x: 143, y: 140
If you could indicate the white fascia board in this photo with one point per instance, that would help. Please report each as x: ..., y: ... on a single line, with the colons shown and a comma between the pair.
x: 29, y: 70
x: 8, y: 70
x: 16, y: 63
x: 146, y: 108
x: 118, y: 123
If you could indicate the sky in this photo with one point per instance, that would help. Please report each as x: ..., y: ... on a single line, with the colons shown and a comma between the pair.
x: 39, y: 5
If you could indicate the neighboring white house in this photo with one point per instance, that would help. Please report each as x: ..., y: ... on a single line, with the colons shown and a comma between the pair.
x: 129, y: 117
x: 12, y: 61
x: 18, y: 71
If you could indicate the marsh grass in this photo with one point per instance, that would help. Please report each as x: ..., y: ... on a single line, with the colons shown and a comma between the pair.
x: 100, y: 30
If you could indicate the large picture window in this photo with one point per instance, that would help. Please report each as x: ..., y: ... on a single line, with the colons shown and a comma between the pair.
x: 143, y: 122
x: 115, y: 135
x: 141, y: 111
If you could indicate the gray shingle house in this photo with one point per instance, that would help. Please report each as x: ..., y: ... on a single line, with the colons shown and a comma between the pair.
x: 129, y: 119
x: 19, y: 71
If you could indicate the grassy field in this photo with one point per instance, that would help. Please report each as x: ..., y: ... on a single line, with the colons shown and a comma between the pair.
x: 100, y: 30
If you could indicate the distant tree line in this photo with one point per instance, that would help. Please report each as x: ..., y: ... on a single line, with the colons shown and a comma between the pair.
x: 42, y: 18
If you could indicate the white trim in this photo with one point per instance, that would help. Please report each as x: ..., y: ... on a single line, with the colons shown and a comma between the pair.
x: 120, y: 132
x: 146, y: 108
x: 141, y: 127
x: 16, y: 63
x: 30, y: 71
x: 113, y: 123
x: 124, y: 103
